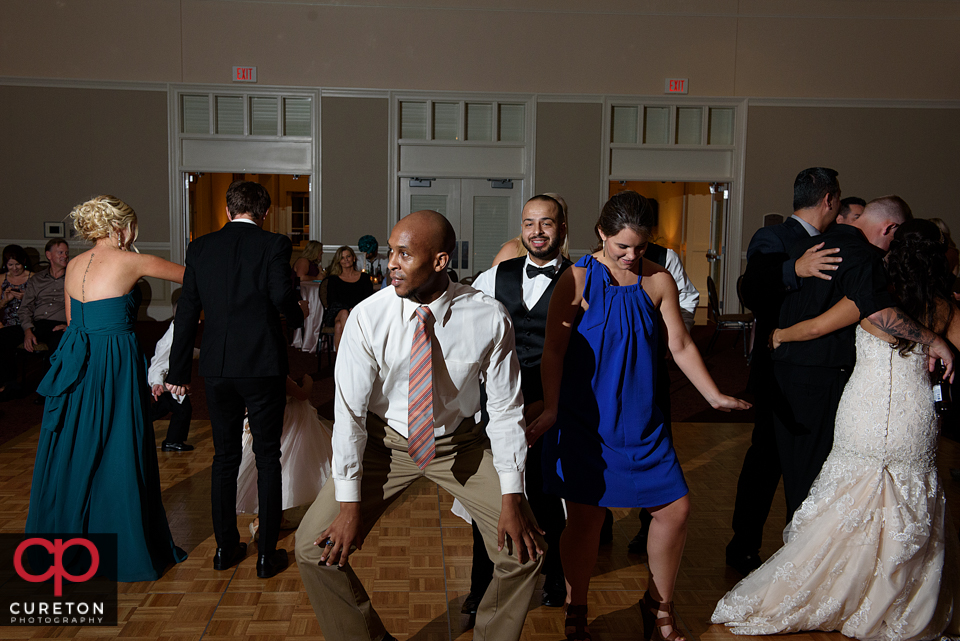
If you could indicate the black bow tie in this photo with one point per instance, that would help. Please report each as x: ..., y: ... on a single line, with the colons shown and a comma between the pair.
x: 549, y: 271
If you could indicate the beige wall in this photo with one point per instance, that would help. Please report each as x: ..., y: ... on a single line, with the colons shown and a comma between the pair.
x: 568, y: 163
x: 817, y: 48
x: 910, y: 152
x: 64, y: 146
x: 355, y: 147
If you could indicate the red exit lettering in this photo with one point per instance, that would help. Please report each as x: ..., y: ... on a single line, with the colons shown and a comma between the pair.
x: 244, y: 74
x: 675, y: 85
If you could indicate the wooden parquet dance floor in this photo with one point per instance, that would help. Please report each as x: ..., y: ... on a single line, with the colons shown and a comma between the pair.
x: 416, y: 562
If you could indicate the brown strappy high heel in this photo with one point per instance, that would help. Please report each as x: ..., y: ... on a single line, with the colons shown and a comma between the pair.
x: 651, y: 624
x: 575, y: 625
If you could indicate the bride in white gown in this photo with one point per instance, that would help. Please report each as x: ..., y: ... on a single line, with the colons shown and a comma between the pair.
x: 865, y: 554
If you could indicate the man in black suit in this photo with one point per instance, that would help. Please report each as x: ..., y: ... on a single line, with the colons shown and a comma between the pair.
x: 769, y: 276
x: 524, y: 286
x: 812, y: 374
x: 239, y: 277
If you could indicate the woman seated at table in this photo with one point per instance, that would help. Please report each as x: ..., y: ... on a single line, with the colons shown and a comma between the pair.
x: 346, y: 286
x: 307, y: 267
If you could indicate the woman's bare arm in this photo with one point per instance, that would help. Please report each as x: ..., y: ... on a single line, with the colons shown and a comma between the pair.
x: 683, y: 349
x: 565, y: 303
x: 844, y: 313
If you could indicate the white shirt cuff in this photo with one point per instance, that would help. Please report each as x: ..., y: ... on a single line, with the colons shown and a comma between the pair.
x: 511, y: 482
x: 347, y: 491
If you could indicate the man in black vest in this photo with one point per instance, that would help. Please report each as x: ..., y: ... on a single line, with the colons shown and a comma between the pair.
x: 239, y: 277
x: 524, y: 286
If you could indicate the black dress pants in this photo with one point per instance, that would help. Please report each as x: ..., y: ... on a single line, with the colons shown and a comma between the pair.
x: 180, y: 414
x: 264, y: 399
x: 803, y: 424
x: 547, y: 508
x: 760, y: 474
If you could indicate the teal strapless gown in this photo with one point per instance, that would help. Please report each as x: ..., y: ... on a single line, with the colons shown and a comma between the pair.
x: 96, y: 468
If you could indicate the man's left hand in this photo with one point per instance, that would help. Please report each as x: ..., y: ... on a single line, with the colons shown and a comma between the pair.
x: 59, y: 328
x: 514, y: 524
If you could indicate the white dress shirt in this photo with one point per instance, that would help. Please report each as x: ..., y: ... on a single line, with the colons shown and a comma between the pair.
x: 160, y: 363
x: 472, y: 338
x: 689, y: 296
x: 532, y: 288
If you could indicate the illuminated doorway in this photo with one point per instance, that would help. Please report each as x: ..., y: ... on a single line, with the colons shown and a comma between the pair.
x: 205, y: 204
x: 691, y: 221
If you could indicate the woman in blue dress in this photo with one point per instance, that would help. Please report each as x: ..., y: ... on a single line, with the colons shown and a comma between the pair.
x: 96, y: 469
x: 606, y: 445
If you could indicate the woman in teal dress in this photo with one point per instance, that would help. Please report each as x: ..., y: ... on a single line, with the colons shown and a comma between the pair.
x: 606, y: 445
x: 96, y: 469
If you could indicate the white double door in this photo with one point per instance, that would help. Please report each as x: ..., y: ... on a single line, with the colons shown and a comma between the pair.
x: 484, y: 213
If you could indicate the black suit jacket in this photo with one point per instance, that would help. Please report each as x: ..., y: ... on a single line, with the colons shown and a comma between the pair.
x: 861, y: 277
x: 770, y: 275
x: 239, y: 277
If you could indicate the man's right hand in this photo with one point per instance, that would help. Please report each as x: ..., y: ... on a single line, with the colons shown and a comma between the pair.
x: 304, y: 307
x: 345, y: 531
x: 29, y: 340
x: 940, y: 349
x: 817, y: 261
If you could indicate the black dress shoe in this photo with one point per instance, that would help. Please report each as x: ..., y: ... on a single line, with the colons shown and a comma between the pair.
x: 744, y: 563
x: 638, y: 544
x: 471, y: 603
x: 271, y: 563
x: 225, y: 559
x: 168, y: 446
x: 554, y: 592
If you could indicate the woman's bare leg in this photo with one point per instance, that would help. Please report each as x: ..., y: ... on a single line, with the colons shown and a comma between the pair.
x: 579, y: 546
x: 668, y: 533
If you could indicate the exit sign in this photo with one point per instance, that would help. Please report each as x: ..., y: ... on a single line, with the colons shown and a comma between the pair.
x: 676, y: 85
x: 244, y: 74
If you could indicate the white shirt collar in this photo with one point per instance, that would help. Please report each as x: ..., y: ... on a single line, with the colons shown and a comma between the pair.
x: 813, y: 231
x: 243, y: 220
x: 438, y: 308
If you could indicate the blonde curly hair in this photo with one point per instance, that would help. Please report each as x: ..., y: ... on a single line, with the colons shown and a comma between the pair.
x: 101, y: 216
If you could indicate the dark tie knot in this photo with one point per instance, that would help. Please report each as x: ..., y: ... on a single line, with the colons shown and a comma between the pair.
x: 533, y: 271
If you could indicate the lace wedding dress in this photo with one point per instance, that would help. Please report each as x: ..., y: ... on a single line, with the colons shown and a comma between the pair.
x: 864, y: 554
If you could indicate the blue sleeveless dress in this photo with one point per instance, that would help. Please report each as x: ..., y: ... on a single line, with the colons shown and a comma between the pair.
x: 96, y: 467
x: 609, y: 446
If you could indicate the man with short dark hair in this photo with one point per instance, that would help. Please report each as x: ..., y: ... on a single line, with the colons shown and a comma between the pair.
x: 407, y: 390
x: 239, y: 277
x: 851, y: 208
x: 769, y: 276
x: 811, y: 374
x: 43, y: 314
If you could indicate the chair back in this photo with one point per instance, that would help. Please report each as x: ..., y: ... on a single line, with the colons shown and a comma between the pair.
x: 713, y: 307
x: 323, y: 292
x: 740, y: 292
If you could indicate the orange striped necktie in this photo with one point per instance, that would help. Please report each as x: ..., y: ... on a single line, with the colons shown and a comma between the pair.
x: 420, y: 441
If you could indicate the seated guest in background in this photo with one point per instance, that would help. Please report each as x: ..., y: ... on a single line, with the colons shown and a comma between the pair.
x: 371, y: 259
x: 164, y: 402
x: 346, y: 286
x: 514, y: 248
x: 307, y: 266
x: 16, y: 271
x: 43, y: 314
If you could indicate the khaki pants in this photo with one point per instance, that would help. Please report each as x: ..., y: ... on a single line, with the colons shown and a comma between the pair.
x: 464, y: 467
